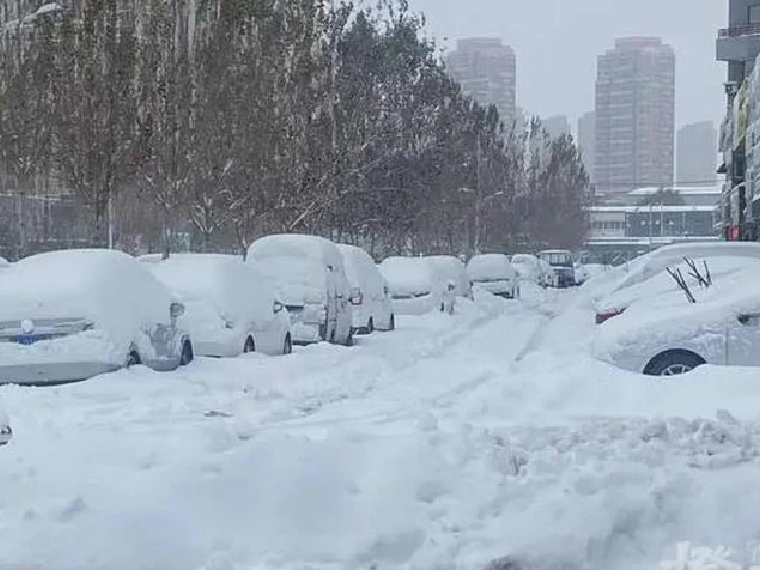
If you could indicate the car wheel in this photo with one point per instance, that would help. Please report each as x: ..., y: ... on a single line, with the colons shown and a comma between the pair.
x: 187, y: 354
x: 249, y: 346
x: 673, y: 363
x: 350, y: 338
x: 133, y: 359
x: 370, y: 326
x: 288, y: 348
x: 393, y: 323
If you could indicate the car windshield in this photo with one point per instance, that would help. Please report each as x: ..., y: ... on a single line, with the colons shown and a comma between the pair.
x: 379, y: 284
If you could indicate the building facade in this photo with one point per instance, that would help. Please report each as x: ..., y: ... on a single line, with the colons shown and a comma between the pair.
x: 487, y: 71
x: 739, y: 45
x: 635, y: 115
x: 697, y: 154
x: 587, y: 143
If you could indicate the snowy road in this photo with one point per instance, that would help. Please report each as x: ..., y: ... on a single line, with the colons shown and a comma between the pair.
x: 446, y: 444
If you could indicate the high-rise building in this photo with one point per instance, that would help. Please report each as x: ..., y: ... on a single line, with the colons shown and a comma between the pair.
x: 587, y: 142
x: 739, y: 46
x: 556, y: 126
x: 487, y: 71
x: 635, y: 115
x: 697, y: 154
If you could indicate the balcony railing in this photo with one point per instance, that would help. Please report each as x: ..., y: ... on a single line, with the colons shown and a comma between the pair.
x: 740, y: 30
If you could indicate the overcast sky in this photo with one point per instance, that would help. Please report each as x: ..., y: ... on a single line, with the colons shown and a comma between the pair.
x: 557, y: 41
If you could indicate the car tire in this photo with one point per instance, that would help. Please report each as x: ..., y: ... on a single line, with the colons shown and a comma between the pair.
x: 187, y: 354
x: 673, y: 363
x: 288, y: 348
x: 392, y: 323
x: 249, y: 346
x: 370, y: 326
x: 350, y: 338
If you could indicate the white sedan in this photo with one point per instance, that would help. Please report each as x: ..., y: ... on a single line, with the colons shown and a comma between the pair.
x: 662, y: 333
x: 70, y: 315
x: 230, y: 307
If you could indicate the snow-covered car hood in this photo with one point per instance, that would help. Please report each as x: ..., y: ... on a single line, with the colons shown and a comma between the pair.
x: 407, y: 277
x: 110, y: 289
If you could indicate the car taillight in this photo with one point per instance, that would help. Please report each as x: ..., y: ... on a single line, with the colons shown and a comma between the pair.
x: 607, y: 315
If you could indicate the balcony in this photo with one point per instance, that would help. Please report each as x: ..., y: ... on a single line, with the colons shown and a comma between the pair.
x: 738, y: 43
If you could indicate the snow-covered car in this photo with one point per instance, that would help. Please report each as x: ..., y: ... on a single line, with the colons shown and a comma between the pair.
x: 70, y: 315
x: 230, y: 308
x: 610, y: 297
x: 494, y: 273
x: 370, y: 294
x: 6, y: 432
x: 561, y: 261
x: 4, y: 263
x: 309, y: 276
x: 662, y: 333
x: 450, y: 268
x: 530, y: 269
x: 414, y: 286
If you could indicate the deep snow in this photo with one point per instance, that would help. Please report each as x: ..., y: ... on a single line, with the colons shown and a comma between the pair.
x: 450, y: 442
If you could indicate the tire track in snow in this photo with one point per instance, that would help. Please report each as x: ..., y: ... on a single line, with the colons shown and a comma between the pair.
x: 460, y: 352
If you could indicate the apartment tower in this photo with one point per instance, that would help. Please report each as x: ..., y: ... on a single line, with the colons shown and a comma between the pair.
x: 635, y: 115
x: 487, y: 71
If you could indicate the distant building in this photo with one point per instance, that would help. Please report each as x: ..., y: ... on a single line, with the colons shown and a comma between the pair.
x: 697, y: 154
x: 487, y: 71
x: 739, y: 46
x: 557, y: 126
x: 587, y: 142
x: 635, y: 115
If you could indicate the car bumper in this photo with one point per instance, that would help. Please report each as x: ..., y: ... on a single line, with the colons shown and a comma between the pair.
x: 53, y: 372
x: 305, y: 333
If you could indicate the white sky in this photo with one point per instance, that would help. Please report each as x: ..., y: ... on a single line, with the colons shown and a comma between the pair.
x: 557, y: 41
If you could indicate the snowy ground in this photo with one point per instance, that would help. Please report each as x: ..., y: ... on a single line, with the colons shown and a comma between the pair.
x: 444, y: 445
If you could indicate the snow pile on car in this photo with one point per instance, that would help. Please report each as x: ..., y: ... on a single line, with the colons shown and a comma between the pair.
x: 490, y: 266
x: 295, y: 265
x: 408, y: 276
x: 108, y: 288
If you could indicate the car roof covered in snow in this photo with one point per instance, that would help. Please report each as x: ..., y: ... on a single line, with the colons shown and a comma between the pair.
x: 299, y: 246
x: 491, y: 266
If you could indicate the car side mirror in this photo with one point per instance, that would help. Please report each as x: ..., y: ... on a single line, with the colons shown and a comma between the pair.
x: 278, y: 307
x: 451, y: 286
x: 176, y: 310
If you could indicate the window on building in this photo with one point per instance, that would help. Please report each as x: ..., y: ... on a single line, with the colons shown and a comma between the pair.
x: 754, y: 14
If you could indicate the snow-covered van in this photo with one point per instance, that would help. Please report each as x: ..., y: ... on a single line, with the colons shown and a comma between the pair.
x: 310, y: 278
